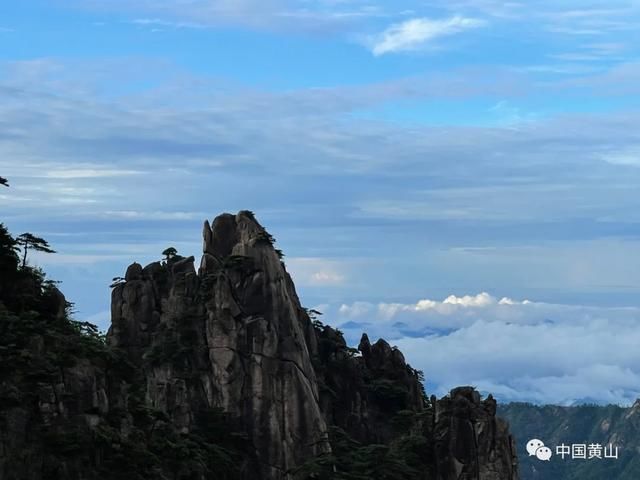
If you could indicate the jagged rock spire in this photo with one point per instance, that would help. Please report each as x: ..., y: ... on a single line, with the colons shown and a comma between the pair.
x: 253, y: 341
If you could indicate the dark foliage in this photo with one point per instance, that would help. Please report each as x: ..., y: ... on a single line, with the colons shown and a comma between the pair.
x: 264, y: 237
x: 403, y: 459
x: 169, y: 253
x: 42, y: 349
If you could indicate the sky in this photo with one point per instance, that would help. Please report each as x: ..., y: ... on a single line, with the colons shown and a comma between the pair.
x: 459, y: 177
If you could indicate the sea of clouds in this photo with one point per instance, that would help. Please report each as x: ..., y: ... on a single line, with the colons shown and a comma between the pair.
x: 519, y: 350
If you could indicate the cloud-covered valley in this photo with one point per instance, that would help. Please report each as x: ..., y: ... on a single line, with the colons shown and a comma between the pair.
x: 520, y: 350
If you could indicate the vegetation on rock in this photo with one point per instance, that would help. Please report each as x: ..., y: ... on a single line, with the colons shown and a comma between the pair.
x: 71, y: 406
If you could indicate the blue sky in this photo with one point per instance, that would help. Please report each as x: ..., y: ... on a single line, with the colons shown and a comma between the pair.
x: 458, y: 177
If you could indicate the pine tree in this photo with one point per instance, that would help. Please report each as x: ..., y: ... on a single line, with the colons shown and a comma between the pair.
x: 29, y: 241
x: 169, y: 253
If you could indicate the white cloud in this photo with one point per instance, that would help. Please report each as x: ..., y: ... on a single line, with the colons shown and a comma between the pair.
x: 316, y: 272
x: 355, y: 310
x: 449, y: 306
x: 452, y: 312
x: 325, y: 277
x: 418, y: 32
x: 518, y: 350
x: 480, y: 300
x: 547, y: 362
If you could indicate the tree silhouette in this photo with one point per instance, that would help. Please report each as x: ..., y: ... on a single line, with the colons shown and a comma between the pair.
x: 117, y: 281
x: 7, y: 243
x: 9, y: 259
x: 4, y: 182
x: 27, y: 241
x: 169, y: 253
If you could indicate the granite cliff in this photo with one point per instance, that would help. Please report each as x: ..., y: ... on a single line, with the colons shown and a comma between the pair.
x: 220, y: 373
x: 242, y: 342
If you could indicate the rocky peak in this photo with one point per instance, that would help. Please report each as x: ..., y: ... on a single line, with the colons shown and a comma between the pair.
x: 470, y: 441
x: 233, y: 234
x: 239, y: 324
x: 381, y: 356
x: 365, y: 345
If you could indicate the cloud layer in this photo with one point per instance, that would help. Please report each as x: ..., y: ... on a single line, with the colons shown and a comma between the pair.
x: 517, y: 350
x: 544, y: 203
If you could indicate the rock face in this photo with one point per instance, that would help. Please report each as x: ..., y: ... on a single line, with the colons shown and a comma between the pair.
x: 47, y: 400
x: 73, y: 403
x: 247, y: 342
x: 219, y: 373
x: 360, y: 393
x: 471, y: 443
x: 370, y: 394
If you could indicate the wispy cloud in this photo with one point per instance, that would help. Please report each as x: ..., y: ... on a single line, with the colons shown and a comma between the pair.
x: 68, y: 259
x: 88, y: 173
x: 290, y: 15
x: 153, y: 215
x: 536, y: 171
x: 519, y: 23
x: 316, y: 272
x: 629, y: 157
x: 157, y: 22
x: 417, y: 33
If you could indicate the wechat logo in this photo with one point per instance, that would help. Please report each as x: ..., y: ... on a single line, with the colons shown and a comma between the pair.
x: 536, y: 448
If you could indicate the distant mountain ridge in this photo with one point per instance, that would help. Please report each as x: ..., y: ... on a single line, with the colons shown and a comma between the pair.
x: 579, y: 424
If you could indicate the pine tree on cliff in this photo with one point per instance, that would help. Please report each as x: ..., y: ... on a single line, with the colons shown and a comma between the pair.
x: 169, y: 253
x: 29, y: 241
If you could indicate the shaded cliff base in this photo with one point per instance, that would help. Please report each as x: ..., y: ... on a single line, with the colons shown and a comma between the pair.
x: 220, y: 373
